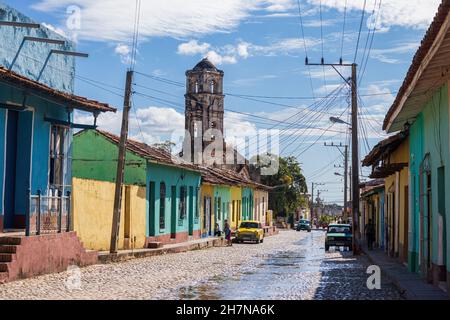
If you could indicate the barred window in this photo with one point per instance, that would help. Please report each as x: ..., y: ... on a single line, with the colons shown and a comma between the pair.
x: 57, y: 146
x: 162, y: 205
x: 182, y: 206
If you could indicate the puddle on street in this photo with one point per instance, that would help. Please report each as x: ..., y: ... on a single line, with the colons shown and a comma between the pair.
x: 266, y: 280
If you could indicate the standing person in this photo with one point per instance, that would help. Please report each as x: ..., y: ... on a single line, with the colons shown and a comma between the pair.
x: 217, y: 232
x: 227, y: 231
x: 370, y: 234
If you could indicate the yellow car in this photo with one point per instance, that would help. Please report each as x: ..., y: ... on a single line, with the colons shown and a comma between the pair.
x: 250, y: 231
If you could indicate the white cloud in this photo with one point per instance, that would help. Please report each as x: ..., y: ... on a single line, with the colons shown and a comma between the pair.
x: 57, y: 30
x: 415, y: 14
x: 386, y: 55
x: 231, y: 54
x: 124, y: 51
x: 112, y: 20
x: 193, y: 47
x: 148, y: 124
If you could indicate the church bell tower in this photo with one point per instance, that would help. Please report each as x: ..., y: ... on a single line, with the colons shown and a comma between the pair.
x: 204, y: 106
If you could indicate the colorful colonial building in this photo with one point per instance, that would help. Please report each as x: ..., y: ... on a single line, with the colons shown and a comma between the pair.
x: 415, y: 162
x: 160, y: 197
x: 37, y: 104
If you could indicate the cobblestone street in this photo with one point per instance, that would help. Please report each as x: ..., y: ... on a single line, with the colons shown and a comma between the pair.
x: 290, y: 265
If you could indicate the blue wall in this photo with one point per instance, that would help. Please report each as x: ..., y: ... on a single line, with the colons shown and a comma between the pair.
x: 33, y: 134
x: 59, y: 72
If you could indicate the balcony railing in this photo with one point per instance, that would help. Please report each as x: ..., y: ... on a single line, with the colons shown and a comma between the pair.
x: 48, y: 214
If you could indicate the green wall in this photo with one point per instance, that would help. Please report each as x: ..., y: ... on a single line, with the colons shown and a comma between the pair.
x: 95, y: 158
x: 429, y: 135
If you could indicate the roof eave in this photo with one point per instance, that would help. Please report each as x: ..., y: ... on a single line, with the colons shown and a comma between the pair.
x: 418, y: 67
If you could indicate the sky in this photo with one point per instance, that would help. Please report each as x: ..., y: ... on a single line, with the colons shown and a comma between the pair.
x: 261, y: 46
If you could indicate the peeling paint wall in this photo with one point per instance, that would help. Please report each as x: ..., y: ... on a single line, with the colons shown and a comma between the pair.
x: 58, y: 74
x: 92, y: 206
x: 33, y: 132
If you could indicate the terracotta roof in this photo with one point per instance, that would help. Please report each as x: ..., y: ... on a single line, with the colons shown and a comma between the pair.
x: 387, y: 145
x: 421, y: 53
x: 148, y: 152
x: 387, y: 170
x: 12, y: 78
x: 369, y: 187
x: 212, y: 175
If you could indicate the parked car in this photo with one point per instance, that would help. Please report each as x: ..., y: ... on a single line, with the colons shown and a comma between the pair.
x: 304, y: 225
x: 250, y: 231
x: 338, y: 235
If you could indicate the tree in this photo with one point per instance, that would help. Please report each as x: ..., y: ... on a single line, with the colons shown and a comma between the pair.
x: 289, y: 187
x: 165, y: 146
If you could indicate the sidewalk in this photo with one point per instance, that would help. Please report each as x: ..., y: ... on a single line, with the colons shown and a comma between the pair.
x: 410, y: 284
x: 124, y: 255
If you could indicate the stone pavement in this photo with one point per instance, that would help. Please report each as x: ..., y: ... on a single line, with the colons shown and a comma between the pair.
x: 410, y: 284
x: 124, y: 255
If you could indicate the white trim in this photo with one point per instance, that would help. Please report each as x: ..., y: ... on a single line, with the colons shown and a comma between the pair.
x: 421, y: 69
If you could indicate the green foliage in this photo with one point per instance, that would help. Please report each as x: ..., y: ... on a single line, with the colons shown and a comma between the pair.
x: 290, y: 187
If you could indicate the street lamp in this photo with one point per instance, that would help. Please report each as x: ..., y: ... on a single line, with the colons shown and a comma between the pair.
x: 338, y: 120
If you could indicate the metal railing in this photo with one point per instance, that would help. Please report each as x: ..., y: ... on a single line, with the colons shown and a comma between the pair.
x: 48, y: 214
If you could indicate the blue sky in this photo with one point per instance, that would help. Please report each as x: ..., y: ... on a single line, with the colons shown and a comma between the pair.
x: 259, y: 45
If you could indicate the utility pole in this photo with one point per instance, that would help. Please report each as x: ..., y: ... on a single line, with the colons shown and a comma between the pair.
x: 121, y: 164
x: 355, y: 149
x: 355, y: 163
x: 312, y: 204
x: 318, y: 199
x: 313, y: 184
x: 345, y: 154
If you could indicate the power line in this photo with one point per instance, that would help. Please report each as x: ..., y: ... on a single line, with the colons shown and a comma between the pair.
x: 360, y: 29
x: 343, y: 28
x: 371, y: 42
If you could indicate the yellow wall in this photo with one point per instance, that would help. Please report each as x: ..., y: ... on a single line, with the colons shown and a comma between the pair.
x: 207, y: 190
x: 92, y: 207
x: 236, y: 196
x: 400, y: 155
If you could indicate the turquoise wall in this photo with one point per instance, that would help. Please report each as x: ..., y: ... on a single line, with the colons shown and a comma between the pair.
x: 247, y: 204
x: 430, y: 135
x: 416, y: 138
x: 172, y: 177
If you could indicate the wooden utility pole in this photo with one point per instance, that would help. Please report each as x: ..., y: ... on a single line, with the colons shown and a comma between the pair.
x: 355, y: 163
x: 345, y: 154
x: 355, y: 148
x: 345, y: 182
x: 121, y: 164
x: 312, y: 204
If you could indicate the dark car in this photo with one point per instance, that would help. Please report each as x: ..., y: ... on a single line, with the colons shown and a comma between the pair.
x: 338, y: 235
x: 304, y: 225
